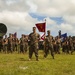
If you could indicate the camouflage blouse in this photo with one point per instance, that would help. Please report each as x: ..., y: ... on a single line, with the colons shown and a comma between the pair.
x: 33, y: 38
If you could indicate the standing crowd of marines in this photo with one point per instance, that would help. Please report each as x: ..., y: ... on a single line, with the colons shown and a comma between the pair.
x: 50, y: 44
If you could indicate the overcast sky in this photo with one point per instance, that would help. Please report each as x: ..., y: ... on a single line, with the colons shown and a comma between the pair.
x: 21, y: 15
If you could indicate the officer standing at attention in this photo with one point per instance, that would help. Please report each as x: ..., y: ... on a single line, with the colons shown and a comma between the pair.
x: 33, y: 47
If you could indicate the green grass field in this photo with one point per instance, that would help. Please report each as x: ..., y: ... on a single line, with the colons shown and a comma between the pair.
x: 18, y: 64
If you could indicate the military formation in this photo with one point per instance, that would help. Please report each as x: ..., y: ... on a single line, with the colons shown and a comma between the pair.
x: 31, y: 44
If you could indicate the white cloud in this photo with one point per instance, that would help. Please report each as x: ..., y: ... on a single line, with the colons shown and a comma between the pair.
x: 55, y: 7
x: 69, y: 19
x: 17, y: 21
x: 15, y: 14
x: 50, y: 22
x: 58, y: 8
x: 65, y: 28
x: 14, y: 5
x: 33, y: 7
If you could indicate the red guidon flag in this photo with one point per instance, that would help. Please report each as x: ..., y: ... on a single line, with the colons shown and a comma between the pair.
x: 43, y: 36
x: 41, y: 27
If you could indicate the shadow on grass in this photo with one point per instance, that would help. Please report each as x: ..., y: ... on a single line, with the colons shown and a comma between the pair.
x: 22, y: 59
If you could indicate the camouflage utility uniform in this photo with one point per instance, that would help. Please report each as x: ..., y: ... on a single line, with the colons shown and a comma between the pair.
x: 33, y: 37
x: 5, y: 44
x: 22, y: 44
x: 26, y: 43
x: 49, y: 46
x: 10, y: 44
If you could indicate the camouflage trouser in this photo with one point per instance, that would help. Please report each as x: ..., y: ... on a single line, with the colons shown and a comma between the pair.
x: 47, y: 49
x: 55, y: 48
x: 10, y: 48
x: 5, y: 48
x: 13, y: 46
x: 58, y: 48
x: 22, y: 47
x: 70, y: 47
x: 16, y: 47
x: 65, y: 48
x: 74, y: 46
x: 0, y: 47
x: 33, y: 48
x: 26, y: 47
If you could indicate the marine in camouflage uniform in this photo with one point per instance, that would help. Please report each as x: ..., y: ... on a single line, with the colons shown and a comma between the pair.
x: 10, y: 43
x: 1, y: 43
x: 33, y: 40
x: 13, y: 42
x: 55, y: 45
x: 65, y: 45
x: 74, y: 44
x: 58, y: 42
x: 16, y: 43
x: 22, y: 44
x: 49, y: 45
x: 70, y: 44
x: 26, y: 43
x: 5, y: 44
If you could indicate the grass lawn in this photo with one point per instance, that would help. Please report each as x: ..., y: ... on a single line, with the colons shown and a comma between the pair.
x: 18, y: 64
